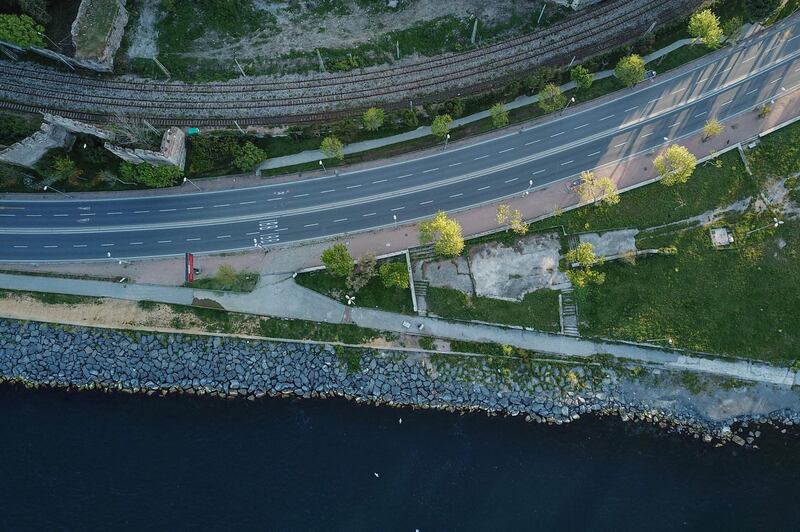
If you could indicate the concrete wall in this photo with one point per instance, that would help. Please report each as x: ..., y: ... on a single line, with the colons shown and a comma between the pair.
x: 173, y: 151
x: 30, y: 150
x: 75, y: 126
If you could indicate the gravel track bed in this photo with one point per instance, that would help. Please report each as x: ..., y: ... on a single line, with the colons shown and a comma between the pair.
x: 265, y: 100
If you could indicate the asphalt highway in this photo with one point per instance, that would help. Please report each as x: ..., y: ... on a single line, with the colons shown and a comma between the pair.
x: 588, y: 136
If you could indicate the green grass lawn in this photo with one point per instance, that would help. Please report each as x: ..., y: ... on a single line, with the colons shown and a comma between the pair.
x: 739, y: 302
x: 322, y: 332
x: 374, y: 295
x: 657, y: 204
x: 538, y: 309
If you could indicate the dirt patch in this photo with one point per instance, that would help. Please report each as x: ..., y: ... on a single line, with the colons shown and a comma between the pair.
x: 504, y: 272
x: 612, y: 242
x: 451, y: 273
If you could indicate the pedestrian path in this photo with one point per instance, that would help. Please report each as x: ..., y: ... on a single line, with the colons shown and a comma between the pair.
x: 311, y: 156
x: 280, y: 296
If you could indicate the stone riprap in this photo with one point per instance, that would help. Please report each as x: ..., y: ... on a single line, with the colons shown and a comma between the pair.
x: 553, y: 391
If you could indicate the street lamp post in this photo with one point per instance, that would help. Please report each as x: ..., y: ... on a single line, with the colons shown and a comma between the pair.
x: 187, y: 180
x: 528, y: 190
x: 571, y: 100
x: 394, y: 218
x: 50, y: 187
x: 445, y: 140
x: 323, y: 166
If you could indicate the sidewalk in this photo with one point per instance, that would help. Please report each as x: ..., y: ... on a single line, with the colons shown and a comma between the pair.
x: 311, y: 156
x: 284, y: 298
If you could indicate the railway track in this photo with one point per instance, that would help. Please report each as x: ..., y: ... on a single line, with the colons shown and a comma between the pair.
x: 32, y: 88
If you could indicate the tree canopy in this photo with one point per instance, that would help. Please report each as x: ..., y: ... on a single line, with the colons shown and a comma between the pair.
x: 394, y: 275
x: 337, y: 260
x: 21, y: 30
x: 582, y: 77
x: 373, y: 118
x: 704, y: 25
x: 152, y: 176
x: 444, y: 233
x: 332, y: 147
x: 597, y: 189
x: 630, y: 70
x: 499, y: 115
x: 247, y: 156
x: 584, y: 258
x: 441, y: 126
x: 675, y: 164
x: 551, y: 99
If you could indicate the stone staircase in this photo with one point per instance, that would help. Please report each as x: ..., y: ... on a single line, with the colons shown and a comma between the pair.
x: 421, y: 253
x: 573, y: 241
x: 569, y: 312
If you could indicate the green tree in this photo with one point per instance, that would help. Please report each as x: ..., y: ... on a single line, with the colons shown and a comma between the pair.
x: 598, y: 190
x: 712, y: 128
x: 409, y: 118
x: 675, y: 164
x: 582, y: 77
x: 630, y: 70
x: 337, y: 260
x: 441, y: 126
x: 149, y: 175
x: 581, y: 260
x: 551, y: 99
x: 394, y: 275
x: 332, y: 148
x: 731, y: 28
x: 21, y: 30
x: 373, y: 119
x: 362, y: 273
x: 454, y: 107
x: 247, y: 156
x: 704, y: 25
x: 226, y: 276
x: 64, y: 168
x: 513, y: 218
x: 499, y: 115
x: 444, y: 233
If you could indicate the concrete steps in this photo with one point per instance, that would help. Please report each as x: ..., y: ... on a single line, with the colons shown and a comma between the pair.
x: 569, y: 312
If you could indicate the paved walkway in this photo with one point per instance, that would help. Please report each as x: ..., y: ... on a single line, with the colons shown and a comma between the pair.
x: 278, y: 295
x: 311, y: 156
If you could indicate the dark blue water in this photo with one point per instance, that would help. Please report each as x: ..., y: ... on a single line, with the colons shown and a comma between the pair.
x: 93, y: 461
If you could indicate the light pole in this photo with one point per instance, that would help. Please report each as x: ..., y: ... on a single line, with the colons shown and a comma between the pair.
x: 571, y: 100
x: 323, y: 166
x: 49, y: 39
x: 187, y: 180
x: 445, y: 140
x: 394, y: 217
x: 50, y: 187
x: 775, y: 223
x: 528, y: 190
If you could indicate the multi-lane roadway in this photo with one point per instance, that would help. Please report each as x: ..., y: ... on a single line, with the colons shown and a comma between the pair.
x: 595, y: 134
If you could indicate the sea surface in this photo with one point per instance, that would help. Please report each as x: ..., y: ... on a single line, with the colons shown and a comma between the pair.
x: 95, y: 461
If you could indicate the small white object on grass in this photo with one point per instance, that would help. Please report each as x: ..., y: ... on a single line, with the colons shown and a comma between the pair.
x: 377, y: 475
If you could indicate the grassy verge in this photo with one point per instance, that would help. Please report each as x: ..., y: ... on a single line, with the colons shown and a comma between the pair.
x: 51, y: 299
x: 323, y: 332
x: 373, y: 295
x: 655, y: 204
x: 538, y: 309
x: 244, y: 282
x: 742, y: 301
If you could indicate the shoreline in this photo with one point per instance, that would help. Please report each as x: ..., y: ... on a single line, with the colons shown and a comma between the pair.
x: 545, y: 390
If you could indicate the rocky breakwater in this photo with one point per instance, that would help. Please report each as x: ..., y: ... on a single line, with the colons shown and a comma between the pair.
x: 551, y: 391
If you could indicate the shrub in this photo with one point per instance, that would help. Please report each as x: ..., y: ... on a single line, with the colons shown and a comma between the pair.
x: 149, y: 175
x: 394, y: 275
x: 454, y: 107
x: 582, y: 77
x: 363, y: 271
x: 551, y: 99
x: 209, y: 153
x: 64, y: 168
